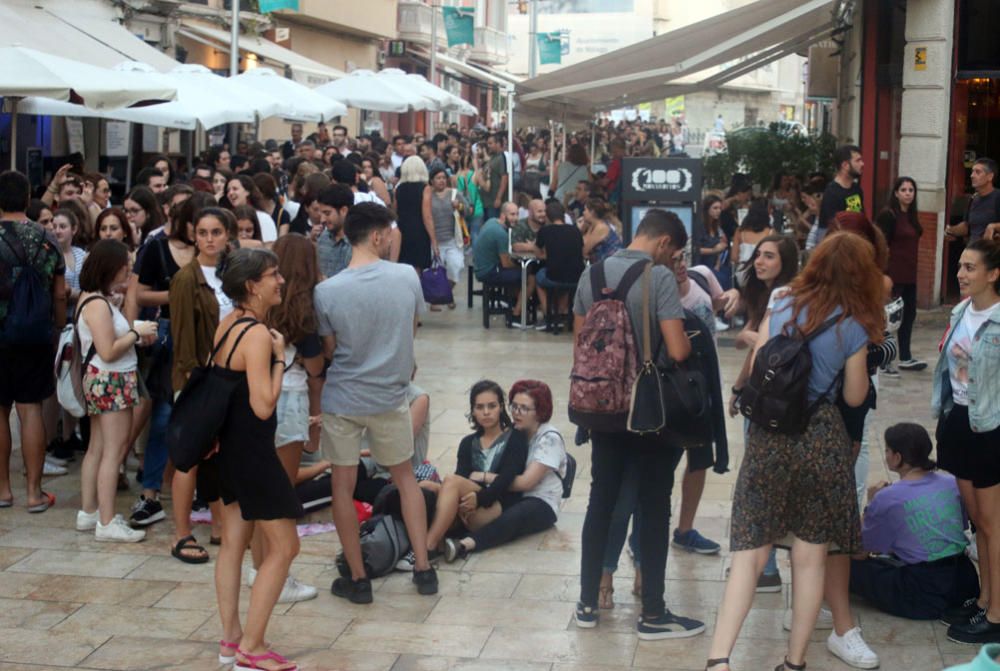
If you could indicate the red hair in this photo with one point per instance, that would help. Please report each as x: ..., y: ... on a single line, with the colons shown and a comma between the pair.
x: 539, y: 393
x: 857, y: 223
x: 841, y: 272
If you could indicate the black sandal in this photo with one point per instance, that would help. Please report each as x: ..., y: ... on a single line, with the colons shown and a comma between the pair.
x: 189, y: 543
x: 716, y: 662
x: 791, y: 667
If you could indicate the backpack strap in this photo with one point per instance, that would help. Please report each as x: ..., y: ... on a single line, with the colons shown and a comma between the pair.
x: 630, y: 277
x: 92, y: 352
x: 225, y: 336
x: 824, y: 327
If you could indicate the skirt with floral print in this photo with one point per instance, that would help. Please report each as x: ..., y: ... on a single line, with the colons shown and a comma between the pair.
x: 110, y: 391
x: 798, y: 487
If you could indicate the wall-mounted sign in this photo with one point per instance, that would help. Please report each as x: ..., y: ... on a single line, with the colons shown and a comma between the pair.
x: 459, y: 23
x: 549, y: 47
x: 266, y: 6
x: 920, y: 58
x: 397, y: 48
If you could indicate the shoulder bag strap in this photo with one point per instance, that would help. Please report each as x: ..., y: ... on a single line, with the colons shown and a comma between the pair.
x: 647, y: 354
x: 634, y: 272
x: 236, y: 344
x: 598, y: 281
x: 92, y: 352
x: 225, y: 336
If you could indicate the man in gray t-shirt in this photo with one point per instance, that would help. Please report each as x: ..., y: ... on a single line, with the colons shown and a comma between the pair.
x: 367, y: 316
x: 659, y: 235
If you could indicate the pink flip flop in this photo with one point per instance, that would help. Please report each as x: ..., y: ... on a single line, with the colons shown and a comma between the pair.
x: 228, y: 659
x: 50, y: 500
x: 252, y: 662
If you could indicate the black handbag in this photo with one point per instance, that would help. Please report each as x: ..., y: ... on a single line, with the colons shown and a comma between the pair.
x: 674, y: 397
x: 202, y: 406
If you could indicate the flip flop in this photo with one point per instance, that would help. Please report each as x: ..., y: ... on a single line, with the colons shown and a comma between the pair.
x: 189, y: 543
x: 50, y: 500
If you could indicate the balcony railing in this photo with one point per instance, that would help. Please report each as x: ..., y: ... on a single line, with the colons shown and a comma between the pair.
x: 490, y: 46
x: 414, y: 25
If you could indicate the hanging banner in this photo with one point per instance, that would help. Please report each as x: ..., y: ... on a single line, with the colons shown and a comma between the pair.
x: 549, y: 48
x: 267, y: 6
x: 459, y: 23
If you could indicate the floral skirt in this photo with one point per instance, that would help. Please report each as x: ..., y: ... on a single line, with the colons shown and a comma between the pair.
x: 798, y: 487
x: 110, y: 391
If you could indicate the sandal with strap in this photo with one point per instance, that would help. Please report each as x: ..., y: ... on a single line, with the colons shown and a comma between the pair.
x: 228, y: 659
x: 252, y: 662
x: 716, y: 662
x: 606, y: 597
x: 189, y: 543
x: 789, y: 666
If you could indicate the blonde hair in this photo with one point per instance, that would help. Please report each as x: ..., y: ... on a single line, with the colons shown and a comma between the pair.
x: 413, y: 170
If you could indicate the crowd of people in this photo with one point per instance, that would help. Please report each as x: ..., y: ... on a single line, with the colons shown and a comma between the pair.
x: 293, y: 273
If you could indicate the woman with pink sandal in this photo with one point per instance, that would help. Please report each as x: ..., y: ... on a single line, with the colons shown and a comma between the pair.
x: 255, y: 489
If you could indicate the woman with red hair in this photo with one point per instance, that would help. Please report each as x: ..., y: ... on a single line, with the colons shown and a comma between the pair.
x: 797, y: 491
x: 540, y: 483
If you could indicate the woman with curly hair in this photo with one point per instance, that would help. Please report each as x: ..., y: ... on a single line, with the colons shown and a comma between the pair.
x: 782, y: 498
x: 540, y: 483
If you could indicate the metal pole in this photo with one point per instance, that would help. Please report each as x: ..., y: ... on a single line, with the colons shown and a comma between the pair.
x: 510, y: 144
x: 593, y: 143
x: 554, y: 179
x: 433, y: 71
x: 13, y: 132
x: 234, y: 65
x: 532, y: 37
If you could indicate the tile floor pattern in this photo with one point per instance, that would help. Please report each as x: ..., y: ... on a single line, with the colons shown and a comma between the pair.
x: 69, y: 602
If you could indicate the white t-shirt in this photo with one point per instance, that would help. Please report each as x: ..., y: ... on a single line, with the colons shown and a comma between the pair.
x: 225, y: 303
x: 697, y: 300
x: 128, y: 361
x: 547, y: 447
x: 268, y: 229
x: 960, y: 350
x: 295, y: 377
x: 369, y: 197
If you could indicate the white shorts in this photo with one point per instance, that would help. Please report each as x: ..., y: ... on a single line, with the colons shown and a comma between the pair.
x: 293, y: 417
x: 453, y: 258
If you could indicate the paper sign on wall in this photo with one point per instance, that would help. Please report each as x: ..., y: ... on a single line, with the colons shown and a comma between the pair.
x: 920, y: 58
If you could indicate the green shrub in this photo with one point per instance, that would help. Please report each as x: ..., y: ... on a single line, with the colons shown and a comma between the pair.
x: 763, y: 153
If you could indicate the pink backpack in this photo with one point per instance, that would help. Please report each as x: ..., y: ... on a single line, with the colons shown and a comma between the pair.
x: 605, y: 357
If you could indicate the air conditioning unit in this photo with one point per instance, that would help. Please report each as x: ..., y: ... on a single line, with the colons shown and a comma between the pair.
x: 380, y: 58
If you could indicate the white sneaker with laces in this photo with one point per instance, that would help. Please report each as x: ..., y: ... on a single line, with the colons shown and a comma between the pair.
x: 852, y: 649
x: 407, y: 562
x: 117, y: 531
x: 721, y: 326
x: 823, y: 621
x: 294, y: 591
x: 86, y: 521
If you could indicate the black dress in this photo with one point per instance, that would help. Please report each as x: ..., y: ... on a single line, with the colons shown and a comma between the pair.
x: 249, y: 470
x: 416, y: 243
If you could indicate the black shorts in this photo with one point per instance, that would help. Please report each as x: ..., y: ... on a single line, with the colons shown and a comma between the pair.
x: 27, y: 374
x: 966, y: 454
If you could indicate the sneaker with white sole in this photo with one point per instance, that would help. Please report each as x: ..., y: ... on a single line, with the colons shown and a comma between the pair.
x: 407, y: 562
x: 295, y: 591
x: 86, y: 521
x: 586, y: 617
x: 52, y: 459
x: 721, y: 326
x: 852, y: 649
x: 117, y: 531
x: 912, y: 364
x: 667, y: 626
x: 146, y: 511
x: 823, y: 621
x: 51, y: 468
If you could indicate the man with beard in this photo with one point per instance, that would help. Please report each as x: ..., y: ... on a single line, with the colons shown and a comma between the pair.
x: 843, y: 194
x: 333, y: 248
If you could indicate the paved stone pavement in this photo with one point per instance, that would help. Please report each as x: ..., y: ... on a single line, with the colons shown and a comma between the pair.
x: 69, y: 602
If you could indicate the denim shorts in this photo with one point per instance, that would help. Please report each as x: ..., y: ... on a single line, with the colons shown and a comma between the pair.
x: 293, y: 417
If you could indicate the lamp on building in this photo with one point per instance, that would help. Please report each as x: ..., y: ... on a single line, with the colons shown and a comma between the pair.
x: 251, y: 61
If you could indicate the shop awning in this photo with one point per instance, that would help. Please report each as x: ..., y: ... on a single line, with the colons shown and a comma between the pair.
x: 304, y: 70
x: 726, y: 46
x: 88, y: 39
x: 483, y: 74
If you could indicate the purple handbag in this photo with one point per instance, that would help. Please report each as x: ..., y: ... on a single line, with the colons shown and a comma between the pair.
x: 435, y: 285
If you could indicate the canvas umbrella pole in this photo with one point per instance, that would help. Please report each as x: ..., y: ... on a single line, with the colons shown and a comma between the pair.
x: 13, y: 132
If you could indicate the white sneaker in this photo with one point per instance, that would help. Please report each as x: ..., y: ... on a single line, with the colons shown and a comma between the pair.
x: 852, y: 649
x: 294, y: 591
x: 118, y: 531
x: 51, y: 468
x: 823, y: 621
x: 721, y: 326
x: 972, y: 549
x: 86, y: 521
x: 251, y: 576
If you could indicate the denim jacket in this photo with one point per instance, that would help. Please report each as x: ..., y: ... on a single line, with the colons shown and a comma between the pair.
x: 984, y: 383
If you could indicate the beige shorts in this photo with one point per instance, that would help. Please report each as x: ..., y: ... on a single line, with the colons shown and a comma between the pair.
x: 390, y: 437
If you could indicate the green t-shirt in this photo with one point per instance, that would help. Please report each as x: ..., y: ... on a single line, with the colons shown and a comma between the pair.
x: 522, y: 232
x: 490, y: 244
x: 497, y: 169
x: 467, y: 186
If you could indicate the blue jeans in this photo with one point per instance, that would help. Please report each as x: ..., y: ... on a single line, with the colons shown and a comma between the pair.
x: 626, y: 507
x: 475, y: 223
x: 155, y: 459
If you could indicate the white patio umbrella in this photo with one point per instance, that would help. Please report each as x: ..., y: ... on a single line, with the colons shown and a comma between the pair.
x: 302, y: 103
x: 364, y: 89
x: 27, y: 72
x: 443, y: 100
x: 264, y: 104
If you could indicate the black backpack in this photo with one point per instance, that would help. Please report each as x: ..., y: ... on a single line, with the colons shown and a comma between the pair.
x: 776, y: 395
x: 567, y: 480
x: 383, y: 543
x: 29, y: 310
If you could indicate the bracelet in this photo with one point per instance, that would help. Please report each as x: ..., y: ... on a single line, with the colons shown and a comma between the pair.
x: 136, y: 333
x: 737, y: 392
x: 276, y: 360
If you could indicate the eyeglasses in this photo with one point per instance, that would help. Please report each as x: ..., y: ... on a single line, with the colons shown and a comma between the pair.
x: 684, y: 258
x: 518, y: 409
x: 134, y: 210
